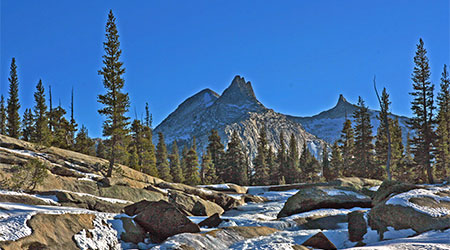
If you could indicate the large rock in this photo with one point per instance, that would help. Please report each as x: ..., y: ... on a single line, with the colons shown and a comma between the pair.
x: 212, y: 221
x: 308, y: 199
x: 63, y: 171
x: 357, y: 226
x: 360, y: 184
x: 229, y: 187
x: 130, y: 193
x: 225, y: 201
x: 90, y: 202
x: 418, y: 209
x: 132, y: 231
x: 389, y: 188
x: 194, y: 204
x: 137, y: 207
x: 319, y: 241
x: 321, y: 222
x: 162, y: 220
x: 219, y: 239
x: 64, y: 227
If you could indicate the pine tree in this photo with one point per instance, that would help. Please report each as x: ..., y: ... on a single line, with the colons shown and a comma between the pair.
x: 175, y: 165
x: 273, y: 166
x: 162, y: 163
x: 13, y: 105
x: 293, y: 161
x: 148, y: 155
x: 326, y: 170
x: 101, y: 150
x: 406, y: 169
x: 41, y: 133
x: 50, y: 112
x: 217, y: 151
x: 309, y: 166
x: 61, y: 136
x: 423, y: 121
x: 347, y: 147
x: 260, y: 161
x: 27, y: 125
x: 191, y: 175
x: 236, y: 165
x: 148, y: 116
x: 336, y: 162
x: 83, y: 143
x: 281, y: 161
x: 207, y: 172
x: 443, y: 128
x: 364, y: 161
x: 382, y: 142
x: 2, y: 116
x: 397, y: 149
x: 135, y: 149
x: 115, y: 101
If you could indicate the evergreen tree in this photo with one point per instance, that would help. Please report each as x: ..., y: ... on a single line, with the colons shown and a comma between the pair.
x: 135, y: 149
x: 364, y: 161
x: 50, y: 112
x: 148, y: 156
x: 207, y: 172
x: 406, y: 169
x: 162, y: 163
x: 148, y: 116
x: 192, y: 177
x: 101, y: 150
x: 281, y: 161
x: 116, y: 103
x: 13, y: 105
x: 261, y: 177
x: 41, y: 133
x: 423, y: 121
x: 347, y: 146
x: 381, y: 142
x: 27, y: 130
x: 217, y: 151
x: 293, y: 161
x: 336, y: 162
x: 236, y: 164
x: 2, y: 116
x: 309, y: 166
x: 184, y: 153
x: 83, y: 143
x: 443, y: 128
x: 175, y: 165
x: 273, y: 166
x: 326, y: 169
x: 61, y: 129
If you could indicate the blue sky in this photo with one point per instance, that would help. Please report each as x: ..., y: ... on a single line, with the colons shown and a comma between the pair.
x: 299, y: 55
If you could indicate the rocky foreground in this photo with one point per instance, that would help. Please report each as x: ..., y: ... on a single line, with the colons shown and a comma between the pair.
x: 77, y: 208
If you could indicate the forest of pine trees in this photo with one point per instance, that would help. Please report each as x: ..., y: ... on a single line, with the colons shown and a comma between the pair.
x: 358, y: 152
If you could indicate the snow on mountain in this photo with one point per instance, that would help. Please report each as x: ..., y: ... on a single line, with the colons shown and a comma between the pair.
x: 236, y: 109
x: 328, y: 124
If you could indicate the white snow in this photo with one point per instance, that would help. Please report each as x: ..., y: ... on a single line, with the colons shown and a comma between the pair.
x: 46, y: 199
x: 26, y: 153
x: 111, y: 200
x: 402, y: 199
x: 374, y: 188
x: 334, y: 192
x: 102, y: 236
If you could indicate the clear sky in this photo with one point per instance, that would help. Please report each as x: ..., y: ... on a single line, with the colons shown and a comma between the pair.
x: 299, y: 55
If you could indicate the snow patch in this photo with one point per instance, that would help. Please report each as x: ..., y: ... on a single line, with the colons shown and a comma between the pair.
x: 403, y: 200
x: 335, y: 192
x: 46, y: 199
x: 102, y: 236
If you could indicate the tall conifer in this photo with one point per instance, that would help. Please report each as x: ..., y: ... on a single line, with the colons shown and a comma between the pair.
x: 175, y: 165
x: 116, y: 103
x: 162, y: 163
x: 347, y: 147
x: 423, y: 121
x: 13, y: 105
x: 217, y: 151
x: 41, y: 133
x: 443, y: 129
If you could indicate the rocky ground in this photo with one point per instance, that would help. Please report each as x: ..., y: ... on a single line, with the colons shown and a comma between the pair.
x: 77, y: 208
